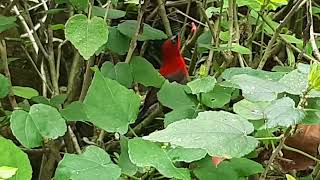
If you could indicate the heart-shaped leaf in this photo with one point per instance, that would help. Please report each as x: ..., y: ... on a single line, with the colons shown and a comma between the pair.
x: 87, y: 35
x: 110, y: 105
x: 41, y: 122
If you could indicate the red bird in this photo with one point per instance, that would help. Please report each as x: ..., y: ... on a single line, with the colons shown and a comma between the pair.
x: 172, y: 67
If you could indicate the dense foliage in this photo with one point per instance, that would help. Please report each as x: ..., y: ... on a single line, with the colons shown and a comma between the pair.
x: 75, y: 74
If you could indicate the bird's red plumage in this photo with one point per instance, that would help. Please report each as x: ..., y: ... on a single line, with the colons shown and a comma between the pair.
x: 173, y: 66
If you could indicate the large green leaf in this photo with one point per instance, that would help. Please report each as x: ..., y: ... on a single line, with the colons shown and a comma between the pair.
x: 186, y: 155
x: 295, y: 82
x: 202, y: 85
x: 257, y: 89
x: 112, y: 13
x: 173, y: 95
x: 94, y: 163
x: 220, y: 133
x: 128, y: 28
x: 282, y: 112
x: 250, y: 110
x: 24, y: 92
x: 4, y: 86
x: 110, y: 105
x: 7, y: 23
x: 87, y: 35
x: 120, y: 72
x: 144, y: 73
x: 13, y: 156
x: 272, y: 76
x: 117, y: 42
x: 145, y: 153
x: 42, y: 122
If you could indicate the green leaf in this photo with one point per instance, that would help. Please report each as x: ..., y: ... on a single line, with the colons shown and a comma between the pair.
x: 94, y: 163
x: 206, y: 170
x: 145, y: 153
x: 271, y: 76
x: 7, y: 23
x: 121, y: 72
x: 257, y: 89
x: 124, y: 162
x: 252, y: 4
x: 87, y: 35
x: 42, y: 122
x: 245, y: 167
x: 24, y: 92
x: 220, y: 133
x: 112, y: 13
x: 128, y: 28
x: 13, y: 156
x: 80, y: 4
x: 202, y: 85
x: 282, y: 112
x: 218, y: 97
x: 4, y: 86
x: 111, y: 106
x: 295, y: 82
x: 240, y: 49
x: 74, y: 112
x: 7, y: 172
x: 58, y: 99
x: 117, y: 42
x: 312, y: 110
x: 173, y: 95
x: 250, y: 110
x: 186, y: 155
x: 290, y: 177
x: 291, y: 39
x: 144, y: 73
x: 179, y: 114
x: 56, y: 27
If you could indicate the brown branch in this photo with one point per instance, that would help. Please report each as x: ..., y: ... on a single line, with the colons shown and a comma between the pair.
x: 4, y: 58
x: 134, y: 39
x: 164, y: 17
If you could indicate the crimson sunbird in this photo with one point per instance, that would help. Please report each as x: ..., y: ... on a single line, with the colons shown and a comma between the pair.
x: 173, y: 68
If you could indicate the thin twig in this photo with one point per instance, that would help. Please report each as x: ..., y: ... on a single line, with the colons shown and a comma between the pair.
x: 314, y: 46
x: 87, y: 79
x: 4, y: 58
x: 134, y: 39
x: 300, y: 152
x: 36, y: 69
x: 164, y: 17
x: 74, y: 140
